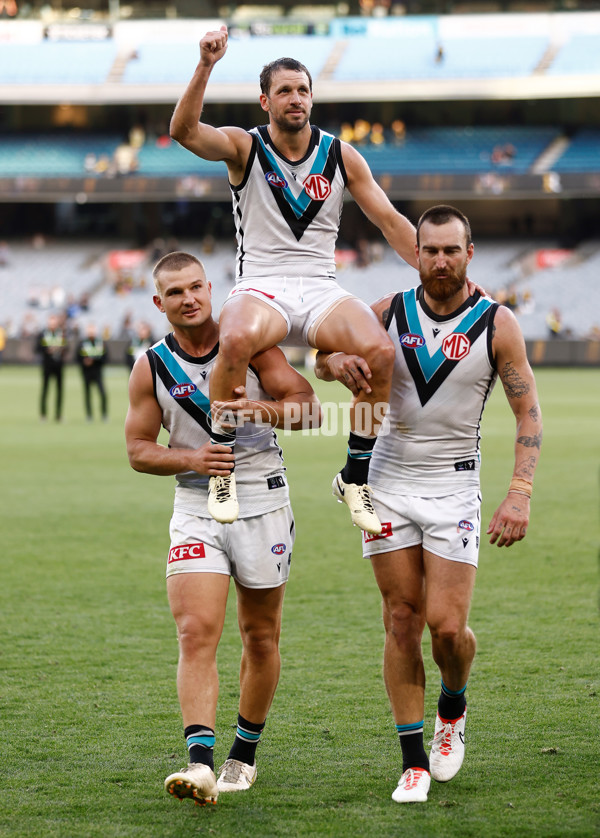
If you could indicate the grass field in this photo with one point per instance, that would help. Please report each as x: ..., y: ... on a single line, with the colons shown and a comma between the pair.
x: 90, y: 723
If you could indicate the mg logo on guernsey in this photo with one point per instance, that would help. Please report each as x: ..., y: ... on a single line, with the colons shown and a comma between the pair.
x: 182, y: 391
x: 456, y: 346
x: 317, y: 187
x: 185, y: 552
x: 411, y: 341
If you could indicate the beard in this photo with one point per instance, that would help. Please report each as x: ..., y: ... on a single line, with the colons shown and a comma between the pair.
x: 443, y: 288
x: 284, y: 123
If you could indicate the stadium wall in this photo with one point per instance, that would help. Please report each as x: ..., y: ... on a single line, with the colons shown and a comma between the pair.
x: 541, y: 353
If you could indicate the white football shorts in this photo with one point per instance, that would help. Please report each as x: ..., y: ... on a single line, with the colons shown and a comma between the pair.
x: 448, y: 526
x: 256, y: 551
x: 303, y: 302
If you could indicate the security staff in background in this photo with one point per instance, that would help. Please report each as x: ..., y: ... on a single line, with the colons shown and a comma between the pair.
x: 91, y: 355
x: 52, y: 346
x: 139, y: 343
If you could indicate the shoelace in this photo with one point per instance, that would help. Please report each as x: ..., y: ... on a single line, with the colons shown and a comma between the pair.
x: 222, y: 489
x: 365, y: 496
x: 412, y: 778
x: 231, y: 771
x: 443, y: 739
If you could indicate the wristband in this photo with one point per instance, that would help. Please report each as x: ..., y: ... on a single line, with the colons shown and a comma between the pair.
x: 520, y: 486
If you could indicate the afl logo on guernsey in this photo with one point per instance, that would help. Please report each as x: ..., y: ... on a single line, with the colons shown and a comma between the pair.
x: 456, y: 346
x: 411, y: 341
x: 182, y: 391
x: 317, y: 187
x: 276, y: 180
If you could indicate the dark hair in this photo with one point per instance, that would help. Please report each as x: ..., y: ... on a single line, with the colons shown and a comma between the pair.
x: 175, y: 261
x: 269, y: 70
x: 442, y: 214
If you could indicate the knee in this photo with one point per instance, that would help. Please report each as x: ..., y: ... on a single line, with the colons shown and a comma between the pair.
x: 404, y: 624
x: 262, y: 643
x: 237, y: 345
x: 195, y: 638
x: 380, y: 355
x: 447, y: 633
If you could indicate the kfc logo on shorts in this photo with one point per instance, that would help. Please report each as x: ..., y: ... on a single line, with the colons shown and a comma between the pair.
x: 317, y: 187
x: 411, y: 341
x: 182, y: 391
x: 185, y: 552
x: 278, y: 549
x: 465, y: 525
x: 456, y: 346
x: 386, y: 531
x: 274, y: 179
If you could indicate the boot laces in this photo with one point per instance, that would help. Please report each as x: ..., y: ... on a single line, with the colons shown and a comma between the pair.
x: 443, y: 739
x: 231, y: 769
x: 222, y: 488
x: 364, y: 493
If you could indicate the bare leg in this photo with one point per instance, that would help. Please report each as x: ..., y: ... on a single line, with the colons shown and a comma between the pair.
x: 353, y: 328
x: 259, y: 617
x: 449, y: 590
x: 246, y: 326
x: 198, y: 603
x: 400, y: 578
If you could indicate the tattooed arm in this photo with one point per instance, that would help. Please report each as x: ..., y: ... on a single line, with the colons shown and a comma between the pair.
x: 351, y: 370
x: 509, y: 522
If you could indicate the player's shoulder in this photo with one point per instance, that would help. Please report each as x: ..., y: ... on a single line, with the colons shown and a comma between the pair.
x: 382, y: 307
x: 505, y: 319
x: 507, y: 334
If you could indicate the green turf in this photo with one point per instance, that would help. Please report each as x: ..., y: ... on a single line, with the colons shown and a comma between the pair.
x: 90, y: 724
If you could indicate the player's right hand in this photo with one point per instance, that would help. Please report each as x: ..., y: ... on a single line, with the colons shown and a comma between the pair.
x: 213, y: 46
x: 215, y: 460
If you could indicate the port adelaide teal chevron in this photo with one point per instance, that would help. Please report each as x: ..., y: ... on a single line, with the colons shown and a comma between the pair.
x: 299, y: 210
x: 433, y: 345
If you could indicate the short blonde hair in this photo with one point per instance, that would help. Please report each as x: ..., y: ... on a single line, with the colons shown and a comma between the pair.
x: 175, y: 261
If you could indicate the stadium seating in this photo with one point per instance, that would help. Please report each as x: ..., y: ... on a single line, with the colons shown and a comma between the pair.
x: 163, y: 63
x: 568, y: 288
x: 77, y: 267
x: 50, y: 155
x: 578, y: 55
x: 460, y: 150
x: 50, y: 63
x: 425, y: 150
x: 170, y: 159
x: 582, y: 154
x: 462, y: 58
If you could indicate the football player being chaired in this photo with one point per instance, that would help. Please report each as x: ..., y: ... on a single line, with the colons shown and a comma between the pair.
x: 169, y: 387
x: 287, y: 181
x: 450, y: 347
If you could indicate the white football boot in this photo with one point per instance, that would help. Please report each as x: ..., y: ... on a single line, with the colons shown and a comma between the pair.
x: 236, y: 776
x: 447, y: 748
x: 413, y: 786
x: 222, y: 499
x: 358, y: 500
x: 197, y: 781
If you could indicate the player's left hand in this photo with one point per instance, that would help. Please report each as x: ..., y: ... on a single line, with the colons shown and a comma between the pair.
x: 351, y: 370
x: 236, y: 412
x: 509, y: 522
x: 472, y: 287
